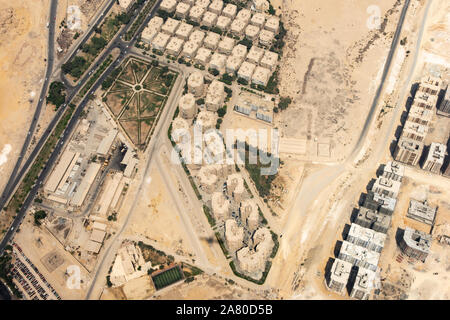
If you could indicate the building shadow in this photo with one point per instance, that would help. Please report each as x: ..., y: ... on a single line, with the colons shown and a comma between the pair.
x: 414, y: 88
x: 424, y: 155
x: 393, y: 146
x: 398, y: 132
x: 355, y: 211
x: 345, y: 231
x: 352, y: 279
x: 370, y: 184
x: 380, y: 170
x: 399, y: 236
x: 327, y: 270
x: 337, y: 248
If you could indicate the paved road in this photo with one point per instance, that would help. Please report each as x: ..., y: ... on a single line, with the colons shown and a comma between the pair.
x: 116, y: 43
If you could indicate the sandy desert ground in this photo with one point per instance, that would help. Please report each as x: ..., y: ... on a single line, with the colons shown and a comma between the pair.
x: 23, y: 44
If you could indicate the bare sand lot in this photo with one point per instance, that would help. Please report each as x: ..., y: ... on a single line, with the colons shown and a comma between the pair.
x: 23, y: 44
x: 332, y: 63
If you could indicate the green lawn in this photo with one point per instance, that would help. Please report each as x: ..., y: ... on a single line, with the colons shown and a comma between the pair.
x: 167, y: 277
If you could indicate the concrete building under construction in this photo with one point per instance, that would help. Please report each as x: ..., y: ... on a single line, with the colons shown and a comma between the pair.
x: 393, y: 171
x: 359, y: 256
x: 415, y: 244
x: 435, y: 157
x: 408, y: 151
x: 372, y: 219
x: 362, y: 285
x: 421, y: 211
x: 380, y: 202
x: 387, y: 187
x: 366, y: 237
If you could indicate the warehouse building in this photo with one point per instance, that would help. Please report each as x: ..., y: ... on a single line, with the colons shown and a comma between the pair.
x: 85, y: 185
x: 62, y: 170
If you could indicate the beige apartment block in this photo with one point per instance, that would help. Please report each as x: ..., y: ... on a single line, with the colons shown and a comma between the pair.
x: 233, y: 64
x: 187, y: 106
x: 216, y: 6
x: 218, y: 61
x: 269, y: 60
x: 206, y: 120
x: 230, y: 11
x: 209, y: 19
x: 197, y: 36
x: 212, y: 40
x: 258, y: 19
x: 255, y: 54
x: 261, y: 76
x: 260, y: 5
x: 246, y: 70
x: 170, y: 26
x: 226, y: 45
x: 168, y: 5
x: 174, y: 46
x: 203, y: 56
x: 272, y: 24
x: 237, y: 27
x: 152, y: 28
x: 239, y: 51
x: 190, y: 49
x: 182, y: 10
x: 125, y: 4
x: 189, y: 2
x: 184, y: 30
x: 160, y: 41
x: 244, y: 15
x: 251, y: 32
x: 215, y: 96
x: 195, y: 83
x: 234, y: 235
x: 266, y: 38
x: 196, y: 13
x: 223, y: 23
x: 202, y: 3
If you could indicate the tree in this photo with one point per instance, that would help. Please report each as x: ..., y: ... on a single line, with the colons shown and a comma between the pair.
x: 284, y: 102
x: 56, y: 95
x: 38, y: 216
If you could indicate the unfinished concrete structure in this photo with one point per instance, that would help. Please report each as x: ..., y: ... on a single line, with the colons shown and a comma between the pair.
x: 415, y: 244
x: 380, y: 202
x: 261, y: 76
x: 338, y: 276
x: 366, y: 237
x: 421, y: 211
x: 420, y: 116
x: 374, y: 220
x: 408, y: 151
x: 215, y: 96
x: 168, y: 5
x: 269, y: 60
x: 235, y: 186
x: 393, y: 171
x: 234, y: 235
x: 187, y: 106
x: 229, y: 11
x: 218, y: 61
x: 170, y: 26
x: 359, y: 256
x: 363, y: 284
x: 174, y: 46
x: 226, y: 45
x: 209, y: 19
x: 249, y: 213
x: 386, y: 187
x: 430, y: 85
x: 435, y: 157
x: 152, y: 29
x: 220, y: 206
x: 182, y: 10
x: 414, y: 131
x: 184, y: 30
x: 255, y: 55
x: 195, y: 83
x: 223, y: 23
x: 444, y: 106
x: 160, y: 41
x: 196, y: 13
x: 212, y: 40
x: 246, y: 71
x: 190, y: 49
x: 216, y: 6
x: 203, y: 56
